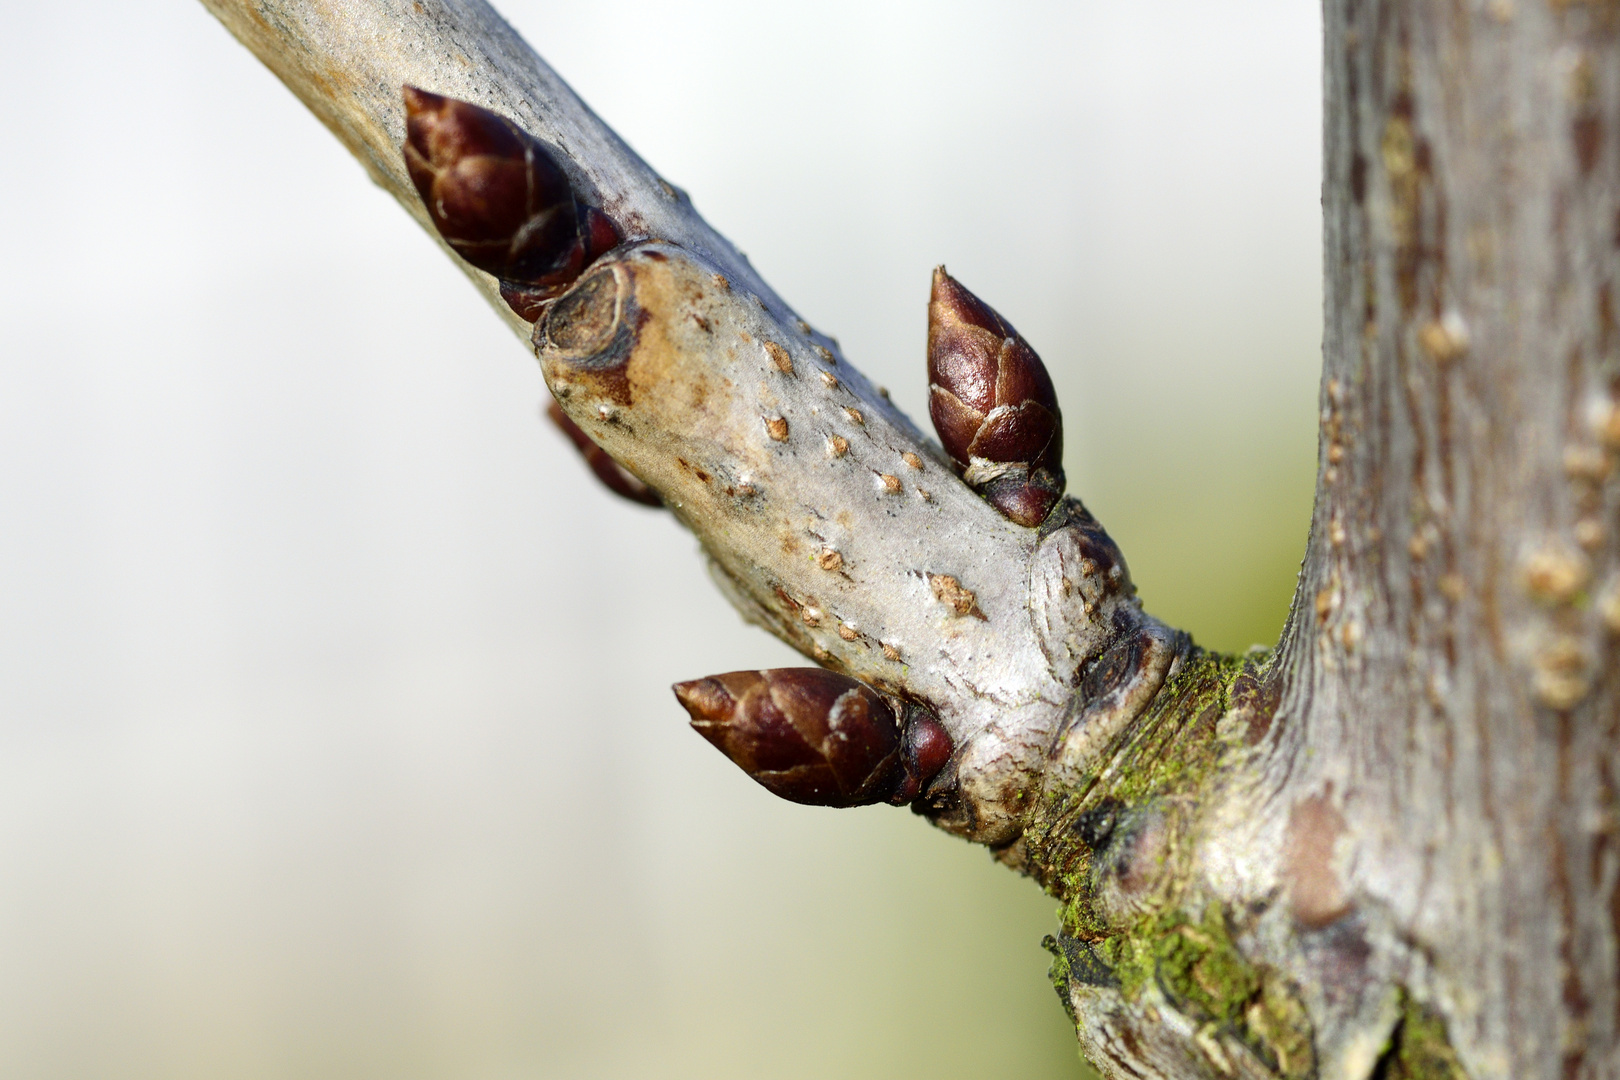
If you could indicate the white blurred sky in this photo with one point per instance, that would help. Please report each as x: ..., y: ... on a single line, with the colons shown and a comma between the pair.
x: 335, y: 730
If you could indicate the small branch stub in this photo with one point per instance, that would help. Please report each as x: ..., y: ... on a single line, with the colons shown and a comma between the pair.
x: 993, y: 404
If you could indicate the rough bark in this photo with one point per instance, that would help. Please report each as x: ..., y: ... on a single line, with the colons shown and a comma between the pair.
x: 1389, y: 847
x: 1449, y: 670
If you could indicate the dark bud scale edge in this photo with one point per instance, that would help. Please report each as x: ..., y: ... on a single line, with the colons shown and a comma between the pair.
x: 815, y: 737
x: 619, y: 480
x: 499, y: 198
x: 993, y: 405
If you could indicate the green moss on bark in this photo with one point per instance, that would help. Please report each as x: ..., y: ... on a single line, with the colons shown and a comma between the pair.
x: 1116, y: 850
x: 1170, y: 754
x: 1419, y: 1048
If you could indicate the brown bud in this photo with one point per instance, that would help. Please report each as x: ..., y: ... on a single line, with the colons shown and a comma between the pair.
x: 924, y: 749
x: 499, y: 198
x: 808, y: 735
x: 992, y: 404
x: 620, y: 481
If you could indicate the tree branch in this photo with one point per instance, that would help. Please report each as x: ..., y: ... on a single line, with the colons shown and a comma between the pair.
x: 828, y: 518
x: 1390, y: 849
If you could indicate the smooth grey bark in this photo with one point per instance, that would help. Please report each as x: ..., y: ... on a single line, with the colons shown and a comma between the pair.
x: 1386, y: 849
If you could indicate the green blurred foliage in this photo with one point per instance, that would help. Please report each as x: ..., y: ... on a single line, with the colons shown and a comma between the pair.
x: 1214, y: 547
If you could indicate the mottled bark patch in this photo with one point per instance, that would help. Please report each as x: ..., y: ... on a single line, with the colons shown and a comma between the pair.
x: 1316, y: 895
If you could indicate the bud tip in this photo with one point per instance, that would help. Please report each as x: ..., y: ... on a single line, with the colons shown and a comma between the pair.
x: 993, y: 404
x: 500, y: 199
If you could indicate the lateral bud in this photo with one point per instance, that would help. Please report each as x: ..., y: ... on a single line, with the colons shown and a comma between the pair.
x: 499, y: 198
x: 925, y: 747
x: 619, y: 480
x: 816, y: 737
x: 993, y: 404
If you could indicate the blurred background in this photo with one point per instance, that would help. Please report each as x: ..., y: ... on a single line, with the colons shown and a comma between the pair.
x: 335, y: 730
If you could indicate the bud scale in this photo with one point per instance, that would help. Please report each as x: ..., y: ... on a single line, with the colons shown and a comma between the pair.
x: 816, y: 737
x: 993, y: 404
x: 499, y: 198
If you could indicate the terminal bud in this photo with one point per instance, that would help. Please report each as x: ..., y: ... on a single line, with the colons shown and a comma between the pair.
x: 993, y: 404
x: 499, y: 198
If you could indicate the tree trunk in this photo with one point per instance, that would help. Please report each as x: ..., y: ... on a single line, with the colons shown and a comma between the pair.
x: 1448, y: 676
x: 1389, y: 847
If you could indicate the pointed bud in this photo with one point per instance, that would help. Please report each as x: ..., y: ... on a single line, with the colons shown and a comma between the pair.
x: 500, y: 200
x: 619, y: 480
x: 815, y: 737
x: 992, y: 404
x: 808, y: 735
